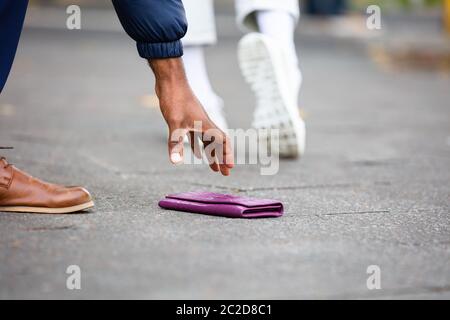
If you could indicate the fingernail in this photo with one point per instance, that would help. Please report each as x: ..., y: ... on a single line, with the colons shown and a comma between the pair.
x: 175, y: 157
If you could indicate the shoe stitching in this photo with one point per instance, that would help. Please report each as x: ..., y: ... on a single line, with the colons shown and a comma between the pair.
x: 11, y: 175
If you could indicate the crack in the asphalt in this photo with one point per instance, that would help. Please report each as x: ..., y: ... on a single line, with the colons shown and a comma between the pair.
x: 356, y: 212
x: 53, y: 228
x: 376, y: 163
x: 250, y: 189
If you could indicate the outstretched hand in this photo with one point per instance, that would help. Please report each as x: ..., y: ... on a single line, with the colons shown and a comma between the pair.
x: 185, y: 116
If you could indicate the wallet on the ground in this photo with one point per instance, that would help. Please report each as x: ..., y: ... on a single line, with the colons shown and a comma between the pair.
x: 225, y: 205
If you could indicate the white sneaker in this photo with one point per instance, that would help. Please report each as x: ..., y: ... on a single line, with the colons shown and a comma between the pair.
x: 275, y: 84
x: 216, y: 114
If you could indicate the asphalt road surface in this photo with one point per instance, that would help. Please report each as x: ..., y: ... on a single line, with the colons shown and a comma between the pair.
x: 373, y: 188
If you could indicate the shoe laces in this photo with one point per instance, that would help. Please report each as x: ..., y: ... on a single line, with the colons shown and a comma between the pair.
x: 7, y: 164
x: 3, y: 159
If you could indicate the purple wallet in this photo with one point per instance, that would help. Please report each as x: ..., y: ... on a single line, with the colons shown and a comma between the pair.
x: 225, y: 205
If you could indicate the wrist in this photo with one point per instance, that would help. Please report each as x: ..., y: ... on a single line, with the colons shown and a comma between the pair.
x: 168, y: 71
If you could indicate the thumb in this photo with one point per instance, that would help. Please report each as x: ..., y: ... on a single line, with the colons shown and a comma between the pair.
x: 176, y: 139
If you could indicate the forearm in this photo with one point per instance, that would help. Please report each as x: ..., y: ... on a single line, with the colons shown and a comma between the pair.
x: 168, y: 71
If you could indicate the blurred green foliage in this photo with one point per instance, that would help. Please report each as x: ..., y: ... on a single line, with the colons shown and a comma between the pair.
x: 397, y: 4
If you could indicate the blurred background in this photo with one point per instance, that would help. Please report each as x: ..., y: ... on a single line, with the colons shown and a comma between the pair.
x: 415, y: 33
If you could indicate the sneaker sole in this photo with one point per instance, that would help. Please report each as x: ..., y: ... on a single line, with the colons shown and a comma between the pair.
x: 262, y: 68
x: 26, y: 209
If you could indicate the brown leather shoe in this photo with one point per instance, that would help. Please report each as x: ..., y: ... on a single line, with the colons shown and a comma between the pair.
x: 20, y: 192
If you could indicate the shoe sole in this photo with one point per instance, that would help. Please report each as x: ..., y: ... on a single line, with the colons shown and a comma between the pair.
x: 25, y: 209
x: 262, y: 68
